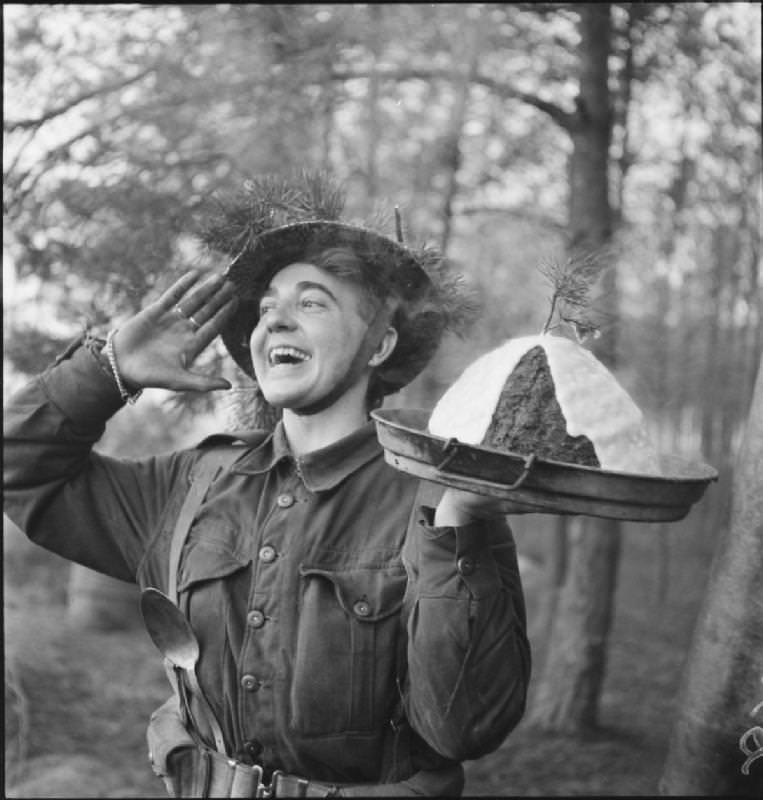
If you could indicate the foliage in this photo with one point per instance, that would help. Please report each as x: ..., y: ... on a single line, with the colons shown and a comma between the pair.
x: 29, y: 346
x: 123, y: 122
x: 571, y: 282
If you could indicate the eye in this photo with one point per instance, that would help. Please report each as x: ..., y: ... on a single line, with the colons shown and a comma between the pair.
x: 265, y: 306
x: 312, y: 302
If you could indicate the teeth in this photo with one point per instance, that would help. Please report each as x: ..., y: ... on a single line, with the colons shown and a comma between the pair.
x: 279, y: 355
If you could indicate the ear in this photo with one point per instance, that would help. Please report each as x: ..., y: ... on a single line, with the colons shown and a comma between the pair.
x: 385, y: 348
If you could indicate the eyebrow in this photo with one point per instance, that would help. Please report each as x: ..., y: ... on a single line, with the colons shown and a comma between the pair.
x: 301, y: 286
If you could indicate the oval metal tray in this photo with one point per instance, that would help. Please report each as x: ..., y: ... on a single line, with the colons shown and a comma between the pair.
x: 549, y: 487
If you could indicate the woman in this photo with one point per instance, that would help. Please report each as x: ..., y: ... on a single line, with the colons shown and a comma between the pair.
x: 359, y: 634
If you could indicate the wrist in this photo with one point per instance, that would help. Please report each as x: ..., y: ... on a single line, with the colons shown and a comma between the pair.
x: 128, y: 392
x: 451, y: 514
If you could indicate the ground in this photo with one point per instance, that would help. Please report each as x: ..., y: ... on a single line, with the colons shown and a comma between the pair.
x: 77, y: 701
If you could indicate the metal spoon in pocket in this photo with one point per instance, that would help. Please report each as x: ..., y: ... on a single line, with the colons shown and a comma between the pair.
x: 172, y: 634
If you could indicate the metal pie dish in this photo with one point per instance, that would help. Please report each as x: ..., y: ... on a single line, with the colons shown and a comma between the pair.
x: 546, y: 486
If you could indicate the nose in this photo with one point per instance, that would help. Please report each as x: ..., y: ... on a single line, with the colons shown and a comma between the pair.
x: 278, y: 317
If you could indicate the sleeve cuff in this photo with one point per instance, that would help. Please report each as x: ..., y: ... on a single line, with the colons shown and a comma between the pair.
x: 462, y: 551
x: 81, y: 387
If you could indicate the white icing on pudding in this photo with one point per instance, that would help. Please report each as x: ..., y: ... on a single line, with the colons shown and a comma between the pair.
x: 593, y: 403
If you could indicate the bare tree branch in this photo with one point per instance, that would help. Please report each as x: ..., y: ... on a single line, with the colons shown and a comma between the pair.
x: 516, y: 212
x: 62, y: 108
x: 23, y: 144
x: 20, y: 187
x: 563, y: 118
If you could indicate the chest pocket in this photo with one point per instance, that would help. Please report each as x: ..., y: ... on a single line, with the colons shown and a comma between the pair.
x: 207, y: 581
x: 346, y: 649
x: 210, y: 576
x: 208, y: 558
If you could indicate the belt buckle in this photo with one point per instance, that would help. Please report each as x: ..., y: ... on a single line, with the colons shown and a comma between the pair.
x: 245, y: 780
x: 267, y: 790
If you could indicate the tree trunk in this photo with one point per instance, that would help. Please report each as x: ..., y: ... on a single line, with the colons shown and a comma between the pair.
x: 711, y: 399
x: 556, y: 568
x: 373, y: 132
x: 590, y: 215
x: 723, y: 681
x: 567, y: 696
x: 452, y: 142
x: 573, y: 672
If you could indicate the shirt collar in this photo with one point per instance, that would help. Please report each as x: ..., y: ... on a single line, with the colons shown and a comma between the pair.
x: 321, y: 469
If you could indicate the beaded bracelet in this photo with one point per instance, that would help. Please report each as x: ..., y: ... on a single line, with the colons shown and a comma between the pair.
x: 108, y: 349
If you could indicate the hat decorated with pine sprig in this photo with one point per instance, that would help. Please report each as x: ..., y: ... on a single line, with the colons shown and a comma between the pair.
x: 275, y: 221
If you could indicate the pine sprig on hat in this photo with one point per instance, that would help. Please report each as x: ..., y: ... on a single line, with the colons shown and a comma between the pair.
x: 321, y: 197
x: 270, y: 201
x: 456, y: 302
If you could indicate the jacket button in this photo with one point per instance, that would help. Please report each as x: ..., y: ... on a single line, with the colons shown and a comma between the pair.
x: 252, y: 748
x: 268, y: 554
x: 361, y: 608
x: 255, y: 618
x: 250, y: 683
x: 466, y: 565
x: 285, y: 500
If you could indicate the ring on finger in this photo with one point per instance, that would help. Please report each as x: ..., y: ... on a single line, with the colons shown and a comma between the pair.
x: 179, y: 311
x: 193, y: 322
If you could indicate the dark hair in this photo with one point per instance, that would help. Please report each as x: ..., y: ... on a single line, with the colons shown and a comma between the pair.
x: 344, y: 263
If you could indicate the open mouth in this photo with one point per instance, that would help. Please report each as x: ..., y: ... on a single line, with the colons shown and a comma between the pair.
x: 286, y: 355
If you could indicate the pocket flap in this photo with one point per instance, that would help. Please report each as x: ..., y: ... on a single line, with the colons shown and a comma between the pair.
x: 206, y: 559
x: 366, y: 593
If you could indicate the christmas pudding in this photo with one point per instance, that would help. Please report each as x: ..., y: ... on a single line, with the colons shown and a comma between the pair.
x: 549, y: 396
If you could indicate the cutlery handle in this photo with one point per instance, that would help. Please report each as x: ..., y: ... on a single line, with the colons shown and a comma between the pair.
x: 207, y: 710
x: 185, y: 704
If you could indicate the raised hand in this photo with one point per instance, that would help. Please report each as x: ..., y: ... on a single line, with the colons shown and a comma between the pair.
x: 158, y: 346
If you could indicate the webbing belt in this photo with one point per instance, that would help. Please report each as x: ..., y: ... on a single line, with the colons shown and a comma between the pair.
x: 214, y: 775
x: 205, y: 471
x: 218, y: 776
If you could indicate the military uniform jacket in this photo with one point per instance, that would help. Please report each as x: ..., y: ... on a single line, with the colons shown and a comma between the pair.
x: 322, y: 595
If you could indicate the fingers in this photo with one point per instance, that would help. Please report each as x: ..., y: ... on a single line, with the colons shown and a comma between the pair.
x: 195, y: 382
x: 189, y: 298
x: 225, y: 307
x: 187, y: 380
x: 196, y: 300
x: 200, y: 304
x: 175, y: 293
x: 212, y: 304
x: 221, y: 307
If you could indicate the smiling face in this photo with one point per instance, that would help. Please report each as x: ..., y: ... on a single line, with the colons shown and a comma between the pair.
x: 312, y: 343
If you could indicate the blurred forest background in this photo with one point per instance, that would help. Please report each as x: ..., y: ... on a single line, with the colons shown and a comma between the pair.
x: 510, y: 135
